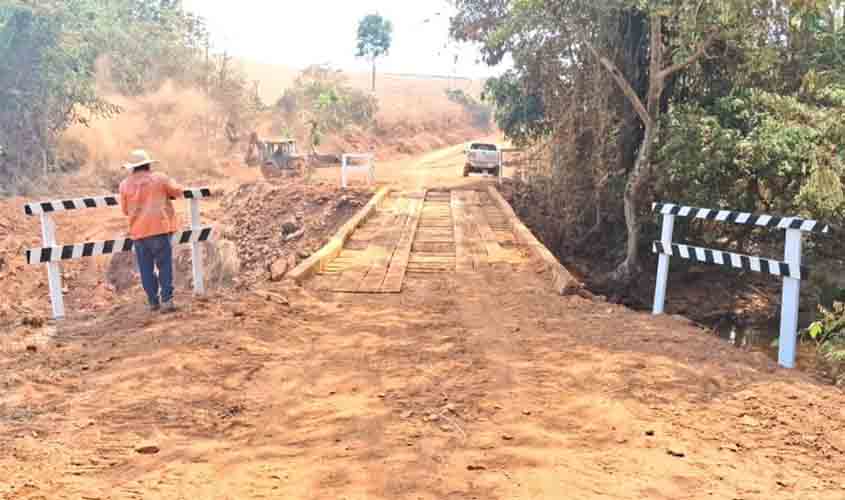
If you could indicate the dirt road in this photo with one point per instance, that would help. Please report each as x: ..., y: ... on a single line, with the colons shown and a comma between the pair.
x: 475, y: 382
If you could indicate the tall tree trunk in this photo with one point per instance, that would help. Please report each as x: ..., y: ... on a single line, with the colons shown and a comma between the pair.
x: 632, y: 61
x: 374, y: 74
x: 629, y: 268
x: 649, y: 113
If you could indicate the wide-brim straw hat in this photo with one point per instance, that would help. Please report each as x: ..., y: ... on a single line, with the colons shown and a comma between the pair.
x: 138, y: 158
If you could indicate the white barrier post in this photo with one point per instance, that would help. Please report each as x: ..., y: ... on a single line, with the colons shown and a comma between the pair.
x: 196, y: 251
x: 54, y: 273
x: 789, y: 302
x: 345, y: 167
x: 501, y: 166
x: 51, y: 253
x: 789, y: 269
x: 663, y: 265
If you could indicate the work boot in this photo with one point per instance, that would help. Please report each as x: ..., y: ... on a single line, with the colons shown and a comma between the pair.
x: 168, y: 307
x: 154, y: 307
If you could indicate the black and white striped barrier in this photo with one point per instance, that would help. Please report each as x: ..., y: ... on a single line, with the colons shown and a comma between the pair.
x: 109, y: 201
x: 769, y: 221
x: 790, y: 269
x: 51, y: 253
x: 44, y: 255
x: 735, y: 260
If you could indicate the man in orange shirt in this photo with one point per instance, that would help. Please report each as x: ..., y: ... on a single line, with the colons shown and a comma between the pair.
x: 145, y: 199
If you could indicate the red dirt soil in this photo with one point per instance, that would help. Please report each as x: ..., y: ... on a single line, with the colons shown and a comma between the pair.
x: 466, y: 386
x: 246, y: 211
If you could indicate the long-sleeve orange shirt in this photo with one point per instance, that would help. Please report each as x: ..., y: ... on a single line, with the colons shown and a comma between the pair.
x: 145, y: 199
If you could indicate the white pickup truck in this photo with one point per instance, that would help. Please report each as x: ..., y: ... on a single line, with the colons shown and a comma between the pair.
x: 483, y: 157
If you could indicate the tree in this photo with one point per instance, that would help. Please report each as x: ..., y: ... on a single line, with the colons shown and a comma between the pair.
x: 521, y: 116
x: 322, y: 95
x: 59, y: 58
x: 642, y: 45
x: 47, y: 77
x: 661, y: 69
x: 375, y: 35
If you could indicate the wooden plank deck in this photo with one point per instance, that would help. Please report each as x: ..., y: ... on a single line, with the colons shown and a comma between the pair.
x: 463, y: 252
x: 421, y: 234
x: 373, y: 237
x: 383, y: 248
x: 488, y: 237
x: 398, y: 266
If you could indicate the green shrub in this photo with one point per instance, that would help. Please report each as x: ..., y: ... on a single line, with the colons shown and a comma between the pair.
x: 322, y: 95
x: 829, y: 335
x: 481, y: 114
x: 755, y: 150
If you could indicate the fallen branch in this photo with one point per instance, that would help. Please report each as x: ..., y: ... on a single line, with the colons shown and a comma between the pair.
x: 453, y: 423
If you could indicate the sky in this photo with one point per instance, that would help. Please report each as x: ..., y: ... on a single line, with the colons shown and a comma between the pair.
x: 298, y: 33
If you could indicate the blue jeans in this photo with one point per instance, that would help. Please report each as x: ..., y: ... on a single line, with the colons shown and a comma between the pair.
x: 156, y: 252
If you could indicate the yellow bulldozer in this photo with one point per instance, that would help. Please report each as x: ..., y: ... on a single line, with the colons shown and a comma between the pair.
x: 277, y: 156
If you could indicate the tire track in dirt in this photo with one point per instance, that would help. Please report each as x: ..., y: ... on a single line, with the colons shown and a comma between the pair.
x: 465, y: 386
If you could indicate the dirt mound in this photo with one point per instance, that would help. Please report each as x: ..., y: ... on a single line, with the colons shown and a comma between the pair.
x: 256, y: 225
x: 286, y: 221
x: 222, y: 264
x: 122, y: 273
x: 220, y: 260
x: 19, y: 281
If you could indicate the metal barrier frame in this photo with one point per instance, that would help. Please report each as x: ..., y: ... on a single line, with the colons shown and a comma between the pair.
x: 346, y: 168
x: 790, y: 268
x: 51, y: 253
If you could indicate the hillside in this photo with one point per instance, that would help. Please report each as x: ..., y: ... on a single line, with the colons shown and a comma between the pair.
x: 414, y: 113
x: 391, y: 88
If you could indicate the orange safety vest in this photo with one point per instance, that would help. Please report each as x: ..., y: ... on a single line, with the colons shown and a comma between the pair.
x: 145, y: 199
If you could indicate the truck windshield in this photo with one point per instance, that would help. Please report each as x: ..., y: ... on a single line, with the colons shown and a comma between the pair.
x: 484, y: 147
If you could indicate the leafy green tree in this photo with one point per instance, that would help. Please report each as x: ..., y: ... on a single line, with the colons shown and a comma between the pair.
x: 661, y: 46
x: 519, y: 114
x: 664, y: 63
x: 375, y: 35
x: 323, y: 95
x: 52, y: 53
x: 48, y: 53
x: 153, y: 41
